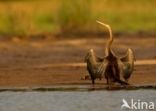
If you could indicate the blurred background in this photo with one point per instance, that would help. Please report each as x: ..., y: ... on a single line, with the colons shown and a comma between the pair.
x: 25, y: 18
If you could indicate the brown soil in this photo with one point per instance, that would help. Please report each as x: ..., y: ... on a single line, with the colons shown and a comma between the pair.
x: 38, y: 63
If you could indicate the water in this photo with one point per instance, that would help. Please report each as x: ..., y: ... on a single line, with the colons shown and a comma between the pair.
x: 71, y: 100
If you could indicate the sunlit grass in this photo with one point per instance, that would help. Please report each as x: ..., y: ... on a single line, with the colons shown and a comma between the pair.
x: 127, y: 16
x: 74, y: 15
x: 36, y: 17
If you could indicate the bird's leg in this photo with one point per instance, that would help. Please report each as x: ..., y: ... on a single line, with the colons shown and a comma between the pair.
x: 93, y: 81
x: 107, y: 81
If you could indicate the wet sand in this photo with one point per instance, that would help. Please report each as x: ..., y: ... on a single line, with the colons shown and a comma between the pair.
x: 61, y: 62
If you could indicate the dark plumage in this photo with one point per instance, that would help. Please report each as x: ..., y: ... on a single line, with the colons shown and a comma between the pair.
x: 113, y: 66
x: 127, y: 64
x: 93, y: 63
x: 110, y: 66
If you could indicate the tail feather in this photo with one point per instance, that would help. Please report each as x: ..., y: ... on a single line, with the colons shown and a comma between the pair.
x: 120, y: 81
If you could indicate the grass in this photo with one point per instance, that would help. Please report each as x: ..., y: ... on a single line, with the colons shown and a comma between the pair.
x: 36, y: 17
x: 74, y: 14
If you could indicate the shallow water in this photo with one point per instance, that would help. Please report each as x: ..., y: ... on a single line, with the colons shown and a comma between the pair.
x: 71, y: 100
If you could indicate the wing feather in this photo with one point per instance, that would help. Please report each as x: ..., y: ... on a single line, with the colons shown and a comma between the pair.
x: 102, y: 67
x: 126, y: 64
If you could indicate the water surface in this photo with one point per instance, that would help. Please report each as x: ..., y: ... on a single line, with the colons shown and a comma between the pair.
x: 71, y: 100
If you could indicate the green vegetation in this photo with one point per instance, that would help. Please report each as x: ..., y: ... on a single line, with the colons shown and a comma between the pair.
x: 54, y: 16
x: 74, y: 14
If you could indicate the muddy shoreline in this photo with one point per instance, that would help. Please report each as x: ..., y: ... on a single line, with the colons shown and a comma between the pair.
x: 29, y: 63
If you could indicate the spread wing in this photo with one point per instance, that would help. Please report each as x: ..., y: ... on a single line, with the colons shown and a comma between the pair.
x: 126, y: 63
x: 102, y: 66
x: 99, y: 59
x: 129, y: 57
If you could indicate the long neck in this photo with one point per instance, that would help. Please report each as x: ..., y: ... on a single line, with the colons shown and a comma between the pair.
x: 109, y: 43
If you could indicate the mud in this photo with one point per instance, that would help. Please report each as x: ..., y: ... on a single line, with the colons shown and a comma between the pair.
x: 38, y: 63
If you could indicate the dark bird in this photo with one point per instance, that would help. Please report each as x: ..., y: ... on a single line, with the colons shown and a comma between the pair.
x: 113, y: 66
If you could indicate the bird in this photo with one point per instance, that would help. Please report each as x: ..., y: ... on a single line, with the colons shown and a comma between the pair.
x: 114, y: 66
